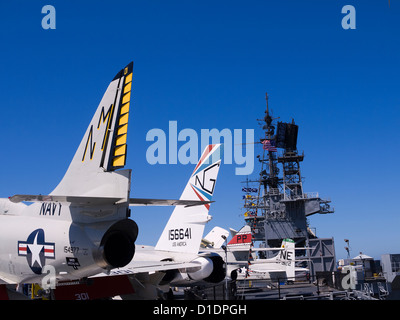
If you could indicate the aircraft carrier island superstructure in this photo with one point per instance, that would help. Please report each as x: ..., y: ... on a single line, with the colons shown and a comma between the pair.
x: 276, y: 207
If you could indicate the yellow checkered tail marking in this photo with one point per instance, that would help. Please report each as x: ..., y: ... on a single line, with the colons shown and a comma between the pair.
x: 121, y: 128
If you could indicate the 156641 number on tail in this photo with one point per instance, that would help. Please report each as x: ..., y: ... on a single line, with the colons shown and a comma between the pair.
x: 180, y: 234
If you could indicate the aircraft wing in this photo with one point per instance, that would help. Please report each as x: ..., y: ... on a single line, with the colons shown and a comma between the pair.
x: 149, y: 267
x: 205, y: 251
x: 120, y: 281
x: 166, y: 202
x: 265, y: 270
x: 268, y: 268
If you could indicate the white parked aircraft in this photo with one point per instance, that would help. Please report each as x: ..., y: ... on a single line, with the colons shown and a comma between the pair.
x: 82, y: 227
x: 243, y: 264
x: 175, y: 259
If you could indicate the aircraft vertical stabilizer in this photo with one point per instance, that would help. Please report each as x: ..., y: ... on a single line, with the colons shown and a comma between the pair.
x: 286, y: 257
x: 184, y: 230
x: 103, y: 148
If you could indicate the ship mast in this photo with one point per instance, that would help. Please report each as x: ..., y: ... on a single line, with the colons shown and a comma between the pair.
x: 280, y: 208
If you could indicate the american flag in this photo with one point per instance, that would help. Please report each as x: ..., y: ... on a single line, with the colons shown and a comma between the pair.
x: 269, y: 145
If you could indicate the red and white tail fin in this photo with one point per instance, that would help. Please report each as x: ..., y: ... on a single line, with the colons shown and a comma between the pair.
x: 242, y: 239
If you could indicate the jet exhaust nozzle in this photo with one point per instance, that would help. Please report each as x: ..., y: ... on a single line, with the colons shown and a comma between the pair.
x: 212, y: 269
x: 117, y: 247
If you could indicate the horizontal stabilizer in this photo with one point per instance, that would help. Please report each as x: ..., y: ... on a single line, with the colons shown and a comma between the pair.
x: 69, y: 199
x: 215, y: 238
x: 166, y: 202
x: 88, y: 201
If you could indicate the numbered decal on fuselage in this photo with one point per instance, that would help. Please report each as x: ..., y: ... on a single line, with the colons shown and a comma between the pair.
x: 180, y: 234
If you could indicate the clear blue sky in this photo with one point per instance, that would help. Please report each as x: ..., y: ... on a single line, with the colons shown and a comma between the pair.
x: 208, y: 64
